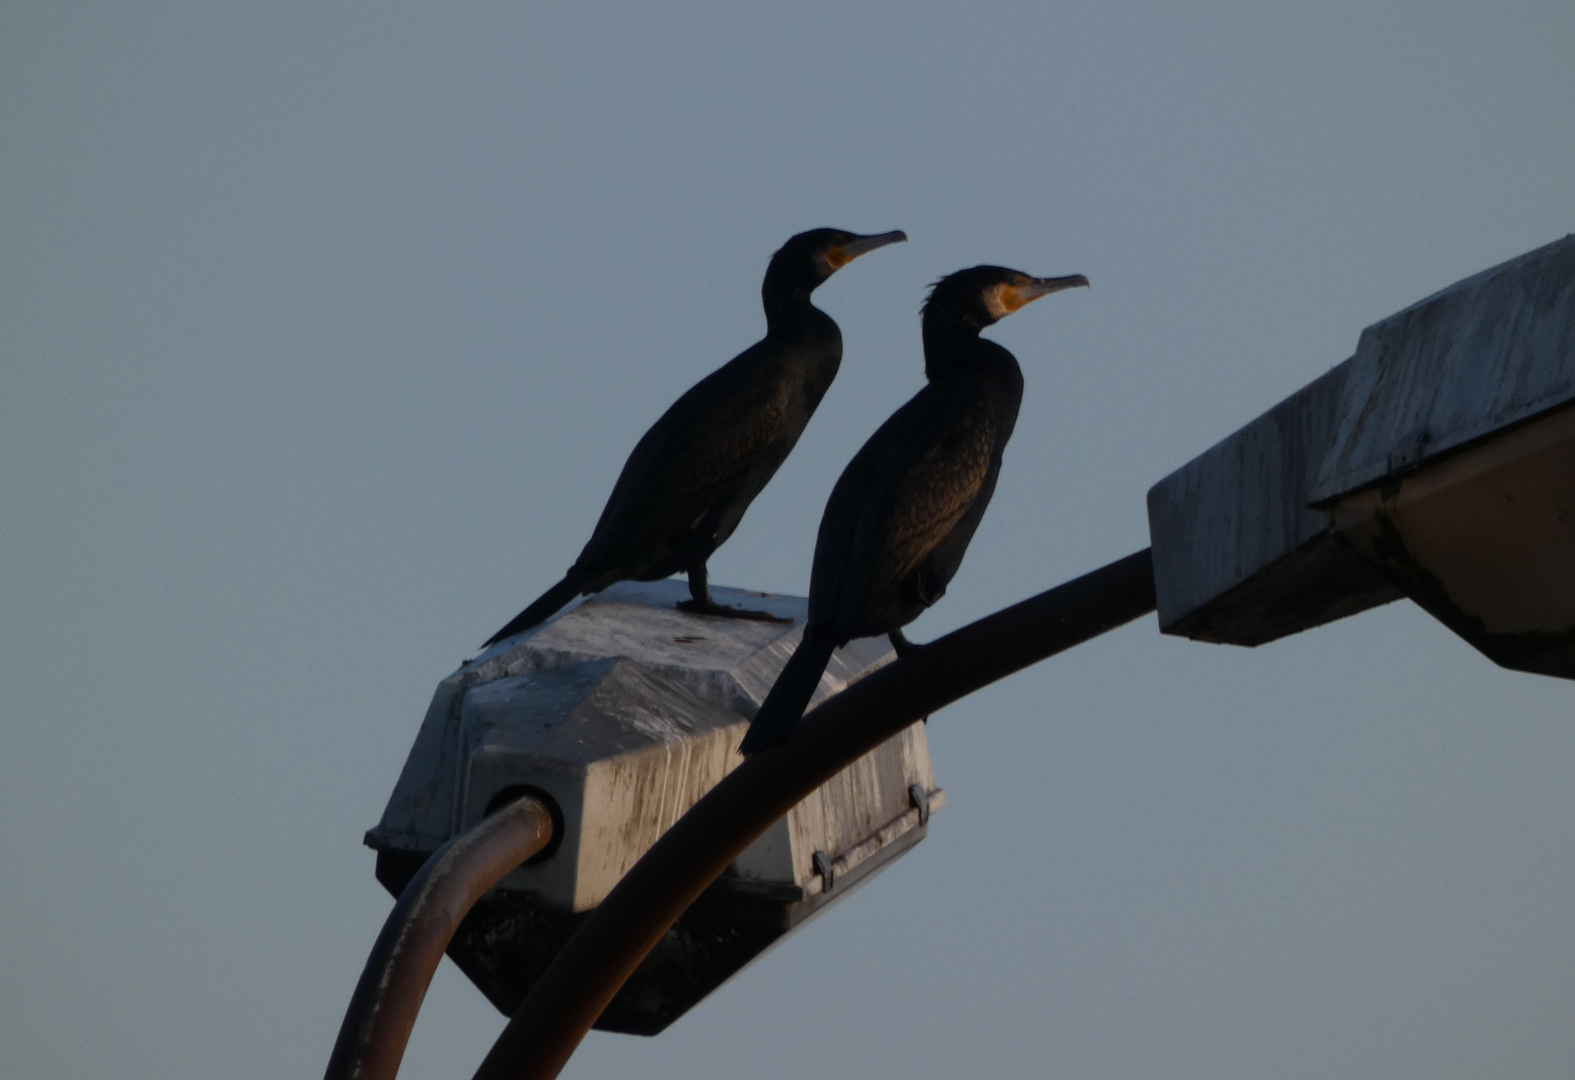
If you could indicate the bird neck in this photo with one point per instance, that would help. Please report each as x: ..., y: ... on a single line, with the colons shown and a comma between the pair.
x: 791, y: 316
x: 955, y: 350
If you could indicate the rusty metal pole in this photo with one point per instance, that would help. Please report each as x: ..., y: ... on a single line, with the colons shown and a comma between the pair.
x: 383, y: 1008
x: 584, y: 976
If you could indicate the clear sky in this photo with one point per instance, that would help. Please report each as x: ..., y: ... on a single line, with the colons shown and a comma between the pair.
x: 324, y: 330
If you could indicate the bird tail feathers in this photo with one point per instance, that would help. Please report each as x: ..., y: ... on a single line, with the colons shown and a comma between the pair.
x: 545, y: 607
x: 780, y: 713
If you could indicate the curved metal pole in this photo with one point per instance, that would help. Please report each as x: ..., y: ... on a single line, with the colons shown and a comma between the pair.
x: 590, y: 969
x: 385, y: 1003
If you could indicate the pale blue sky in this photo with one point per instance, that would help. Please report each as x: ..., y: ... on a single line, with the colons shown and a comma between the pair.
x: 325, y: 329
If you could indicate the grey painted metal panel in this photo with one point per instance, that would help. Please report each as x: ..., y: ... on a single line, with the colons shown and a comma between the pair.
x: 1487, y: 352
x: 1238, y: 556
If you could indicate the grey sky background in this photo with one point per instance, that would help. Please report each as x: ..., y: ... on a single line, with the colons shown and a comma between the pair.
x: 324, y: 330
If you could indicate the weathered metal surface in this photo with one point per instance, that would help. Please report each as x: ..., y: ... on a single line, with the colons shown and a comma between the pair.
x: 1238, y: 556
x: 847, y: 811
x: 1485, y: 540
x: 586, y: 975
x: 621, y: 750
x: 1488, y: 352
x: 1243, y: 548
x: 431, y: 906
x: 625, y: 710
x: 622, y: 712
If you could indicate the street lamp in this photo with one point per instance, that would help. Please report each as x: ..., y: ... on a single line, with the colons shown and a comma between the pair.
x: 618, y: 715
x: 1437, y: 463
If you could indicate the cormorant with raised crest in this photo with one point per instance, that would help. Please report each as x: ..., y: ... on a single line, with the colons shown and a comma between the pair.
x: 902, y: 513
x: 694, y: 473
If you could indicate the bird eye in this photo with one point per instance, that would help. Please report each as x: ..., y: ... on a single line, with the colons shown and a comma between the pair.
x: 1014, y: 281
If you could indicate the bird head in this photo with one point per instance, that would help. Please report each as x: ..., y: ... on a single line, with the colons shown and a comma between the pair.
x: 972, y: 299
x: 808, y: 259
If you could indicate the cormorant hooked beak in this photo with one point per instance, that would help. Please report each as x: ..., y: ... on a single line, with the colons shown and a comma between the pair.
x: 1016, y: 294
x: 839, y: 255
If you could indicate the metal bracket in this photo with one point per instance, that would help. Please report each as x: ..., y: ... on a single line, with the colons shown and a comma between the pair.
x: 822, y: 865
x: 920, y: 799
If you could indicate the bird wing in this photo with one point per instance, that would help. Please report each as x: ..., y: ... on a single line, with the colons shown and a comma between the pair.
x: 934, y: 494
x: 722, y: 443
x: 900, y: 497
x: 699, y: 449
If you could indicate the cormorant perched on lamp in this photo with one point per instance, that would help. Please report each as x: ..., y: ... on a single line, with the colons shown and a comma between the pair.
x: 905, y: 508
x: 694, y: 473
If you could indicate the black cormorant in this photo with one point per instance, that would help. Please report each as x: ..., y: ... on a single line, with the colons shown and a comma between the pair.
x: 905, y: 508
x: 694, y: 473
